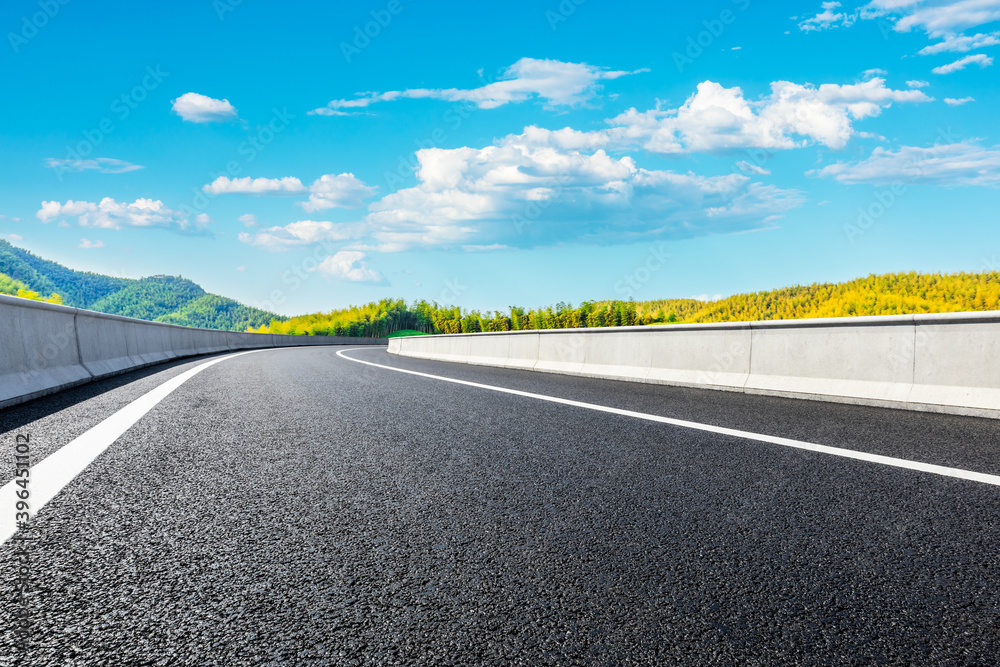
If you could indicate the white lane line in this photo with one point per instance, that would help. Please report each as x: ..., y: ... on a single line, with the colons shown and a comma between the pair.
x: 746, y: 435
x: 58, y: 469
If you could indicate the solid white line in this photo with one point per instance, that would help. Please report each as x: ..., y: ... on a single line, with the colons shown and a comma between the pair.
x: 746, y: 435
x: 51, y: 475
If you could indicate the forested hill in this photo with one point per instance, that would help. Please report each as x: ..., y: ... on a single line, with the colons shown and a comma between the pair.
x: 157, y: 298
x: 889, y: 294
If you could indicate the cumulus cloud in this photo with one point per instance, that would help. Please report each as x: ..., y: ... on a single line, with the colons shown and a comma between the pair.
x: 979, y: 59
x: 104, y: 165
x: 522, y: 195
x: 717, y: 118
x: 255, y: 186
x: 917, y: 83
x: 16, y: 238
x: 110, y: 214
x: 87, y: 244
x: 555, y: 82
x: 957, y: 102
x: 248, y: 220
x: 303, y: 232
x: 961, y: 43
x: 197, y: 108
x: 517, y: 194
x: 828, y: 18
x: 349, y: 265
x: 337, y: 191
x: 959, y: 164
x: 546, y: 187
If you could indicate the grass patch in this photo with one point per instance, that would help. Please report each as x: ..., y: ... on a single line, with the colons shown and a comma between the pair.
x: 402, y: 333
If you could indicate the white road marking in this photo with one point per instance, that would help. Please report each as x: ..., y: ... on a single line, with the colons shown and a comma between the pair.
x: 58, y: 469
x: 746, y: 435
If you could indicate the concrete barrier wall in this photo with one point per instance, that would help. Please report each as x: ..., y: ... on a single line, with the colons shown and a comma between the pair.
x: 942, y: 363
x: 45, y: 348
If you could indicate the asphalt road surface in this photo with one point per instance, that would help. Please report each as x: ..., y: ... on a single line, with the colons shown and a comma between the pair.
x: 294, y: 507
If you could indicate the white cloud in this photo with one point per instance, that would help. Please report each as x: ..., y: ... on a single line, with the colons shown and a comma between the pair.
x: 828, y: 18
x: 255, y: 186
x: 717, y: 118
x: 16, y: 238
x: 110, y: 214
x: 555, y: 82
x: 349, y: 265
x: 303, y: 232
x: 518, y: 194
x: 104, y: 165
x: 961, y: 43
x: 337, y: 191
x: 979, y: 59
x: 7, y: 217
x: 917, y: 84
x: 945, y: 17
x: 873, y: 72
x: 203, y: 109
x: 961, y: 164
x: 957, y: 102
x: 87, y: 244
x: 939, y: 19
x: 248, y: 220
x: 327, y: 191
x: 522, y: 195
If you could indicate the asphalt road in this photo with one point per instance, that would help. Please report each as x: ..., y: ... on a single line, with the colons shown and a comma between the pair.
x: 291, y: 507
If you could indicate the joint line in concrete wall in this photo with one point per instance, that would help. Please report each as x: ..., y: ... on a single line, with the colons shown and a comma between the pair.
x: 79, y: 350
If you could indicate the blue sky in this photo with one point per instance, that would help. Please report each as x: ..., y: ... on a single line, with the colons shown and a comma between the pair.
x: 309, y: 155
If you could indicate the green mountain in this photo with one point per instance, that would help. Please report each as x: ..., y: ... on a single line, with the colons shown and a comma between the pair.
x: 157, y: 298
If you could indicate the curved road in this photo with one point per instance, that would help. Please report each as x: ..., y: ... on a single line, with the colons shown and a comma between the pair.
x: 295, y: 507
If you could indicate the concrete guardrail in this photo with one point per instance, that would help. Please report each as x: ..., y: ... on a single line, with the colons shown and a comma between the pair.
x: 45, y: 348
x: 939, y: 363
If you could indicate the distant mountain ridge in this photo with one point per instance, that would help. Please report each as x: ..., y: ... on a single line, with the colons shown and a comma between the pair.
x: 157, y: 298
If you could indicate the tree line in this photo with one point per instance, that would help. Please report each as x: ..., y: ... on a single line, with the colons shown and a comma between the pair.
x: 887, y: 294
